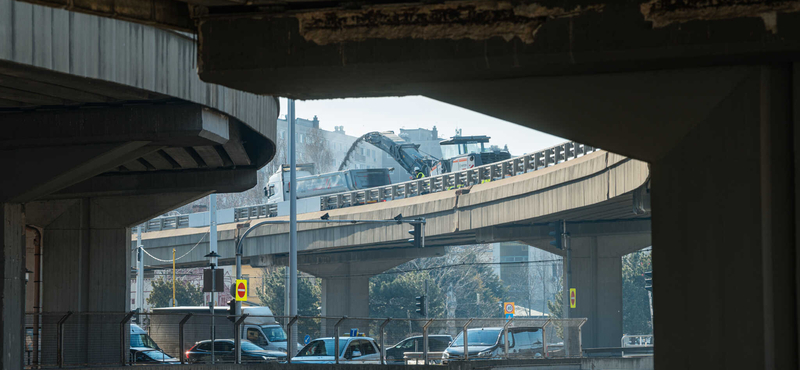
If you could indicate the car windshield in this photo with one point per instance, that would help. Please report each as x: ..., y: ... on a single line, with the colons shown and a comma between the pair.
x: 274, y: 333
x: 157, y: 355
x: 478, y: 337
x: 142, y: 340
x: 321, y: 347
x: 247, y: 346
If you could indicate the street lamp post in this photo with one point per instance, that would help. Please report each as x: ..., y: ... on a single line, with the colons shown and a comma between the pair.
x: 212, y: 262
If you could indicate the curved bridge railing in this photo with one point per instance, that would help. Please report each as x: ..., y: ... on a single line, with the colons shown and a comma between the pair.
x: 491, y: 172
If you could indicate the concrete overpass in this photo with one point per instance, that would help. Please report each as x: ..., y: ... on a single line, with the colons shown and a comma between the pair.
x: 594, y: 193
x: 105, y: 125
x: 706, y: 92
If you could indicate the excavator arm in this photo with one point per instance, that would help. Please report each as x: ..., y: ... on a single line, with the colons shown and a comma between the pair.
x: 405, y: 153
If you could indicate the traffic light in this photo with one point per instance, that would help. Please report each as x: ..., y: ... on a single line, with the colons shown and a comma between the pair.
x: 417, y: 235
x: 648, y: 280
x: 421, y: 306
x: 232, y: 310
x: 557, y: 233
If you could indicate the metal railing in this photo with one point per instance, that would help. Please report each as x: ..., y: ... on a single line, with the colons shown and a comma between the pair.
x: 491, y: 172
x: 165, y: 223
x: 449, y: 181
x: 89, y: 339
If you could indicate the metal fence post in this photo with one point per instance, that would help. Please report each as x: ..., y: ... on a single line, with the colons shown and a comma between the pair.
x: 122, y: 348
x: 180, y: 337
x: 289, y: 335
x: 505, y: 333
x: 60, y: 339
x: 237, y: 332
x: 544, y: 338
x: 466, y: 330
x: 383, y: 346
x: 425, y: 341
x: 336, y: 338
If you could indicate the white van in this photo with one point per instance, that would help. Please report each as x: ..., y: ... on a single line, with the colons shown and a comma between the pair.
x: 259, y: 327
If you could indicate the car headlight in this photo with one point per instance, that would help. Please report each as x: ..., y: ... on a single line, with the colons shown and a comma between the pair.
x: 486, y: 353
x: 264, y: 357
x: 445, y: 355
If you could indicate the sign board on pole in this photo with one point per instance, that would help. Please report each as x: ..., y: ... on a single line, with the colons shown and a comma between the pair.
x: 509, y: 315
x: 354, y: 332
x: 219, y: 280
x: 307, y: 339
x: 509, y: 308
x: 572, y: 298
x: 241, y: 290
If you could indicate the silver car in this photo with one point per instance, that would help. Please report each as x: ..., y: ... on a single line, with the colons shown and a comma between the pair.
x: 352, y: 350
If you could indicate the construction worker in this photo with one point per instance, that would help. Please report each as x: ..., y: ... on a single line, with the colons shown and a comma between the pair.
x: 418, y: 174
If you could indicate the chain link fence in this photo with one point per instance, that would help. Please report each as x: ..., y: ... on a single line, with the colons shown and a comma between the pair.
x: 55, y: 340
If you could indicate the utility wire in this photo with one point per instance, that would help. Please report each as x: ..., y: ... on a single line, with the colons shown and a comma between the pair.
x: 184, y: 255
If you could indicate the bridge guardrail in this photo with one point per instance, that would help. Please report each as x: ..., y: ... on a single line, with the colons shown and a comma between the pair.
x: 449, y: 181
x: 73, y: 339
x: 491, y: 172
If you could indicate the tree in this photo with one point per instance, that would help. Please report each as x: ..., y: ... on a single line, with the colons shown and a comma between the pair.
x: 635, y: 300
x: 316, y: 150
x: 186, y: 293
x: 393, y: 294
x: 272, y: 293
x: 556, y: 307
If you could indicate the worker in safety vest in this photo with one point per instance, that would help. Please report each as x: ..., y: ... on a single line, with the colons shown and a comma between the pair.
x: 418, y: 174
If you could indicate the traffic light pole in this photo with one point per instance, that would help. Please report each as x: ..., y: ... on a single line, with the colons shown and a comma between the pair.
x: 568, y: 277
x: 565, y: 306
x: 426, y: 299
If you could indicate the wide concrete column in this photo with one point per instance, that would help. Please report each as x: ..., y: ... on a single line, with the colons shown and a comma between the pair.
x: 12, y: 292
x: 86, y: 255
x: 597, y: 278
x: 345, y: 296
x: 725, y: 235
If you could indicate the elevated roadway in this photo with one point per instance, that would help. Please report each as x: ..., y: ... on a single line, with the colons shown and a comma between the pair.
x: 597, y: 194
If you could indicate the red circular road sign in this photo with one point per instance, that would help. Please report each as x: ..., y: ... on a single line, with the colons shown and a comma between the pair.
x: 241, y: 290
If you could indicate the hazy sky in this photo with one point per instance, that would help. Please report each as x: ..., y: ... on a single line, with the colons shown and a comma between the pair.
x: 359, y: 116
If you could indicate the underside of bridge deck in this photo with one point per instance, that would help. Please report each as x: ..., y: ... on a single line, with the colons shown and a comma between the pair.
x: 706, y: 91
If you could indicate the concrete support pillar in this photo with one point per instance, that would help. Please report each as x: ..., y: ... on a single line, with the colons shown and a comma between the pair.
x: 597, y: 278
x: 345, y: 296
x: 86, y: 271
x: 12, y: 295
x: 725, y: 235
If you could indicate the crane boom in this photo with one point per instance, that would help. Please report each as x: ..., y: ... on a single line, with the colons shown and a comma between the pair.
x: 405, y: 153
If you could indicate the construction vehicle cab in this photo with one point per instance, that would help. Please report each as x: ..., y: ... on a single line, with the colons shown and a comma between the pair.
x: 465, y: 152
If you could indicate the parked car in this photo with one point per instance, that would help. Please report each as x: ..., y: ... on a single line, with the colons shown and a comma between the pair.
x: 149, y: 356
x: 436, y: 343
x: 225, y: 350
x: 489, y: 343
x: 352, y: 350
x: 144, y: 350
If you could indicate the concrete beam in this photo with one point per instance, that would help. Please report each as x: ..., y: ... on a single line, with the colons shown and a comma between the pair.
x: 200, y: 181
x: 368, y: 52
x: 43, y: 170
x: 369, y: 261
x: 173, y: 124
x: 160, y: 13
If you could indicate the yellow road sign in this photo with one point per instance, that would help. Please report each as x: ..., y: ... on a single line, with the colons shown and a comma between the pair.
x: 241, y: 290
x: 509, y: 307
x: 572, y: 298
